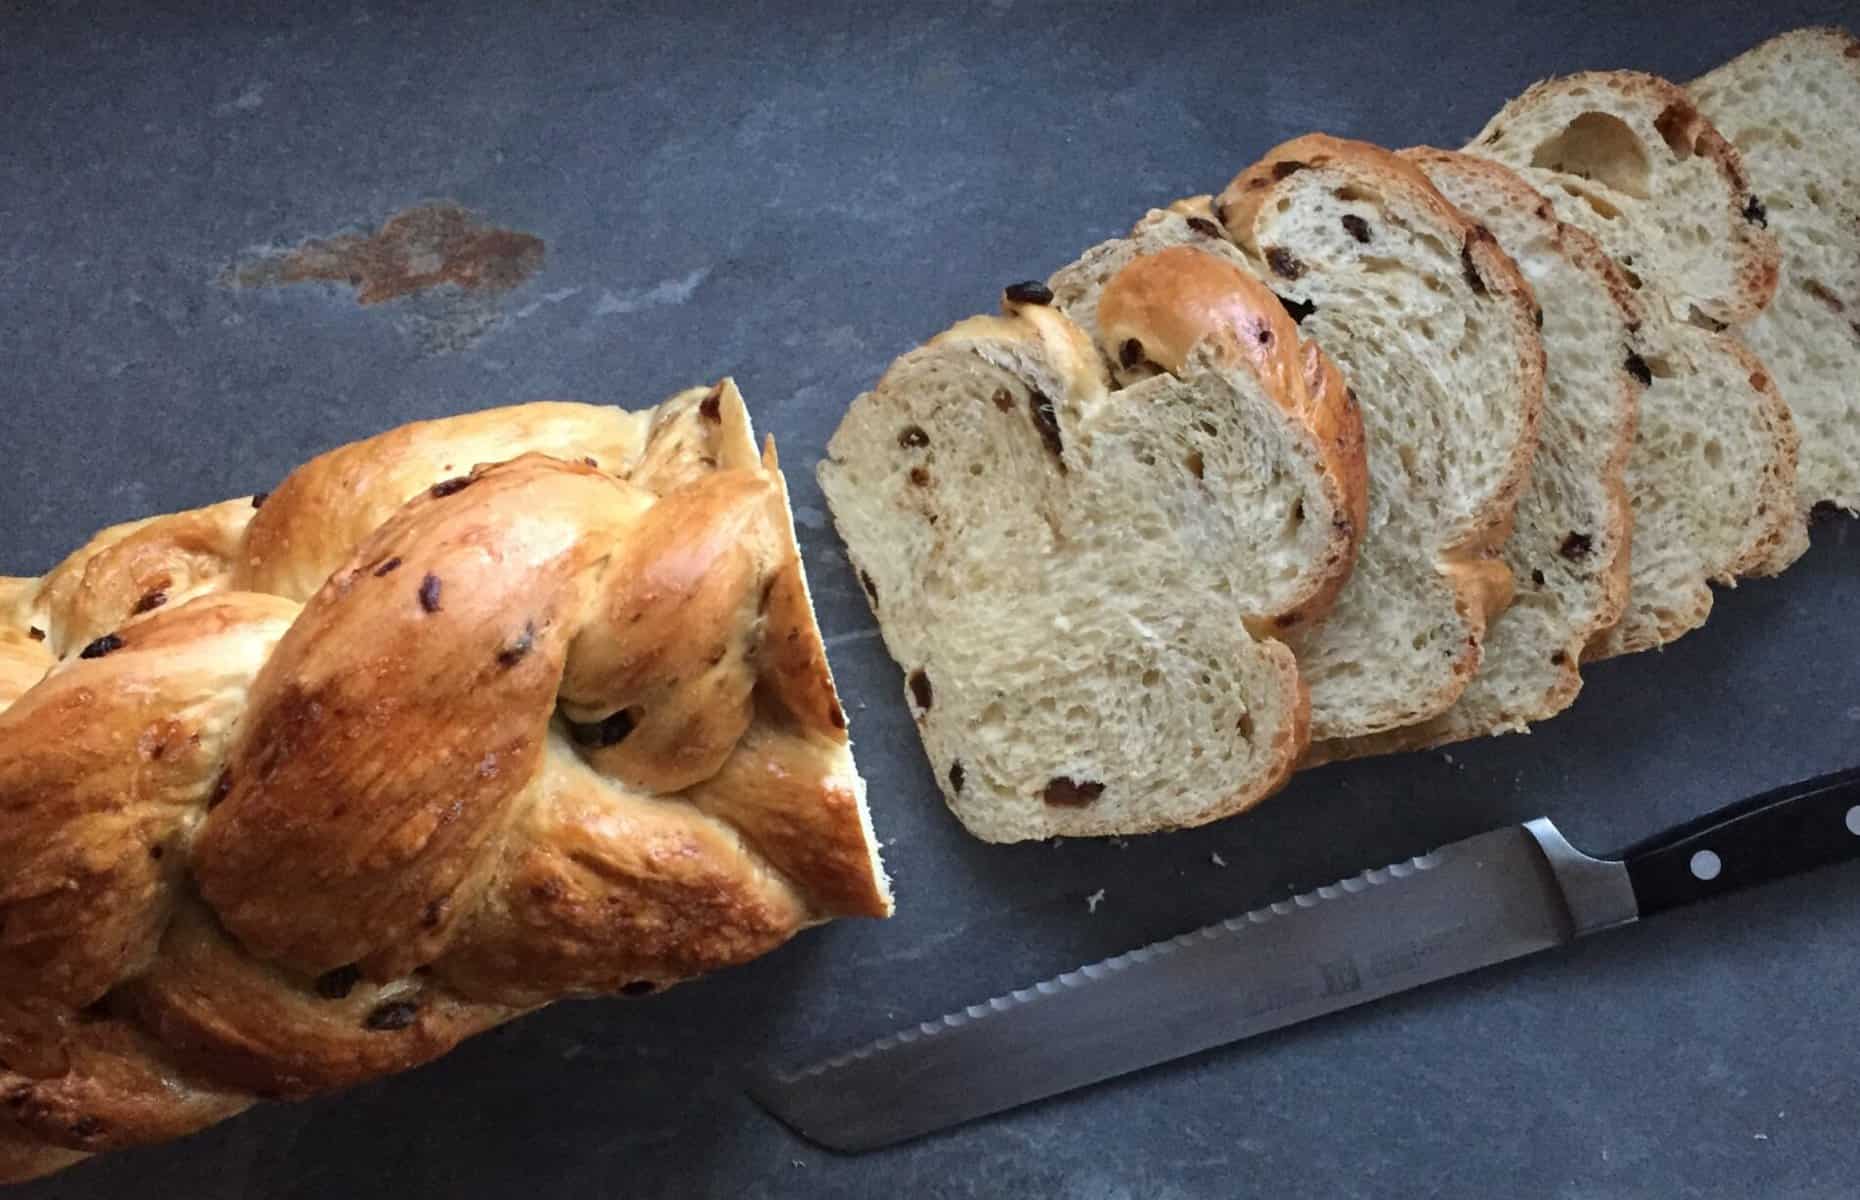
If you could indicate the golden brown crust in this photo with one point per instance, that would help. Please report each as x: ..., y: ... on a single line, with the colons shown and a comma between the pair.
x: 138, y: 568
x: 1337, y: 422
x: 1238, y: 204
x: 24, y: 1156
x: 116, y: 1087
x: 328, y: 506
x: 1180, y: 299
x: 1168, y: 306
x: 262, y: 844
x: 602, y: 888
x: 255, y: 1028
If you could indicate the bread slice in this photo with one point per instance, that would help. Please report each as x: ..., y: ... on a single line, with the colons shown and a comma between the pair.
x: 1067, y: 560
x: 1568, y: 549
x: 1712, y: 474
x: 1652, y: 179
x: 1305, y: 572
x: 1435, y: 331
x: 1792, y: 108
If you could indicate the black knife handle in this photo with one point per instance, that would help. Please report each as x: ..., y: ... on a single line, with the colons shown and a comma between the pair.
x: 1807, y: 824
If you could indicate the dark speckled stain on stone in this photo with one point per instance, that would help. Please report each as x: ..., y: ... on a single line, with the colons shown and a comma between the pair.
x: 419, y: 248
x: 438, y: 248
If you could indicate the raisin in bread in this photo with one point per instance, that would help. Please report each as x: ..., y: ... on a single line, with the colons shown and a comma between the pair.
x: 1569, y: 546
x: 1629, y: 158
x: 1790, y: 107
x: 1435, y: 332
x: 1068, y: 561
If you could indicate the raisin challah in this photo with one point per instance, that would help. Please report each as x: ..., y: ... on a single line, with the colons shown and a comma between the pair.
x: 300, y: 790
x: 1080, y: 554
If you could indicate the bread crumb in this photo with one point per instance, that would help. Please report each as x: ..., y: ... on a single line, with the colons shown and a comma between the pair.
x: 1119, y: 842
x: 1761, y: 1137
x: 1216, y: 859
x: 1094, y: 900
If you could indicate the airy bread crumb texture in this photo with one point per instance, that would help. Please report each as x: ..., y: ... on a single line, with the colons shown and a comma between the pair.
x: 1789, y: 106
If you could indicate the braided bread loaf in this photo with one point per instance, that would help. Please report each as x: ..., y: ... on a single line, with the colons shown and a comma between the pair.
x: 300, y: 790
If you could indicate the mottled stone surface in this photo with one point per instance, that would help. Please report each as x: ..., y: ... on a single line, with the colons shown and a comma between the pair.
x: 795, y: 194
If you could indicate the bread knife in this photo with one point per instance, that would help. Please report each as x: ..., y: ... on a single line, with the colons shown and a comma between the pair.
x: 1485, y: 900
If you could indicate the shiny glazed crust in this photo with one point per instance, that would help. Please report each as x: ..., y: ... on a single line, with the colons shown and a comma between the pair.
x: 301, y: 790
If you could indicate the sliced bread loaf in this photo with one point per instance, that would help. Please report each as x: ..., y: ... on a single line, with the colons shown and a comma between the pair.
x: 1568, y: 549
x: 1067, y: 559
x: 1632, y: 161
x: 1436, y: 334
x: 1792, y: 108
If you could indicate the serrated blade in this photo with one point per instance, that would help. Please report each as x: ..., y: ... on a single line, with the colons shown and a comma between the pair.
x: 1465, y: 906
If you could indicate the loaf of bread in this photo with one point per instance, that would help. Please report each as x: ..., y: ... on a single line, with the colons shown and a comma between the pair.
x: 1079, y: 555
x: 1789, y: 107
x: 1436, y: 333
x: 301, y: 790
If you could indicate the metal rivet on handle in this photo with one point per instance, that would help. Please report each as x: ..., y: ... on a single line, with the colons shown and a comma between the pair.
x: 1853, y: 820
x: 1706, y: 865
